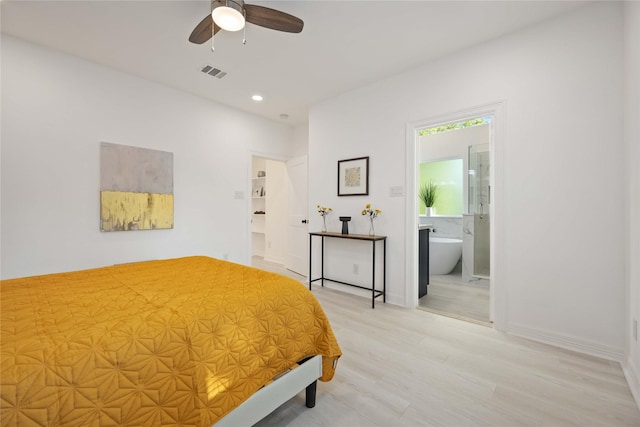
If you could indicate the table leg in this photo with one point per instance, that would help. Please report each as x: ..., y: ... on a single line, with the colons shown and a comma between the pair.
x: 322, y: 262
x: 310, y: 258
x: 373, y: 276
x: 384, y: 270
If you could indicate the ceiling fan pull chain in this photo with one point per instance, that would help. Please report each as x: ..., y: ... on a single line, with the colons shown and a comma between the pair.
x: 244, y: 29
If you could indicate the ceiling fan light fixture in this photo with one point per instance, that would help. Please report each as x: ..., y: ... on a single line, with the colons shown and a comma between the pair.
x: 229, y: 17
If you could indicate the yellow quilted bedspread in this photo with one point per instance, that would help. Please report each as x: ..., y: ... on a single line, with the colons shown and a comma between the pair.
x: 174, y: 342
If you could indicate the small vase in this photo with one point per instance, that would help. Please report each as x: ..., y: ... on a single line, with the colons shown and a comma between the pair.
x: 324, y: 224
x: 372, y: 232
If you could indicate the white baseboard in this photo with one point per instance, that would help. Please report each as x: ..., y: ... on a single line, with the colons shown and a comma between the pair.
x: 567, y: 342
x: 632, y: 374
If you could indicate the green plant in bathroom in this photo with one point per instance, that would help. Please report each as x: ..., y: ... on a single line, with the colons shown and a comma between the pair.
x: 428, y: 193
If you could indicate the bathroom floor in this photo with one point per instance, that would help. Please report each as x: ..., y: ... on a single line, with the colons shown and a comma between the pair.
x: 449, y: 295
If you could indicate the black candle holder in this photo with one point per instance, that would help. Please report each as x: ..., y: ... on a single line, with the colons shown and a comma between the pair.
x: 345, y: 224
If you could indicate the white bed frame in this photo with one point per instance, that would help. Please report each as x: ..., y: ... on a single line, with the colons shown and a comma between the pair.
x: 274, y: 394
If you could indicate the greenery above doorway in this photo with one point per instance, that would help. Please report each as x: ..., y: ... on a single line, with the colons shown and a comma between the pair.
x: 455, y: 125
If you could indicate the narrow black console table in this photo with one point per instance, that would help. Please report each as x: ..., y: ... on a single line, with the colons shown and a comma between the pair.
x: 373, y: 239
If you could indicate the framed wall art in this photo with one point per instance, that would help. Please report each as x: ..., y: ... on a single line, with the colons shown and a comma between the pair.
x: 353, y: 177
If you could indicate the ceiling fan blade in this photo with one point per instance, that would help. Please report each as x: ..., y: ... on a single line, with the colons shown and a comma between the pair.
x: 273, y: 19
x: 202, y: 32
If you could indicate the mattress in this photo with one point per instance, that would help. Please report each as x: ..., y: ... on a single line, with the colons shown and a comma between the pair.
x: 180, y: 341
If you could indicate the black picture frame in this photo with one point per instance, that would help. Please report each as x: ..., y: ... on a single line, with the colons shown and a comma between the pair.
x: 353, y: 177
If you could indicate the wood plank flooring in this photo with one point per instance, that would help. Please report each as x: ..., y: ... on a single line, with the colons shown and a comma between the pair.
x: 407, y: 367
x: 450, y: 296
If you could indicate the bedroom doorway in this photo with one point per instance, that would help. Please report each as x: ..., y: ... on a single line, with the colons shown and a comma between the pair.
x: 493, y: 158
x: 268, y: 200
x: 454, y: 178
x: 279, y: 233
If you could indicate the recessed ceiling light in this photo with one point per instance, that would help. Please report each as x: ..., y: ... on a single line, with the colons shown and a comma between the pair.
x: 257, y: 98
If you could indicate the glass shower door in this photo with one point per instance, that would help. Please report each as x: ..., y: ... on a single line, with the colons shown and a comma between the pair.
x: 479, y: 197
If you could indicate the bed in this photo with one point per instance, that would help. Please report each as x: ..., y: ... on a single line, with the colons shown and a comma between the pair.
x: 186, y: 341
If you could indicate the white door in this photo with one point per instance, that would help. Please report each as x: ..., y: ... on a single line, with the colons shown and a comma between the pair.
x: 297, y: 234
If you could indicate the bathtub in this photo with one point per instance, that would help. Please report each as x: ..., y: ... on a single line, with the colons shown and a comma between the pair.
x: 444, y: 254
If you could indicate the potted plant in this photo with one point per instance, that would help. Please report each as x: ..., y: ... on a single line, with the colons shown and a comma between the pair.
x: 427, y: 194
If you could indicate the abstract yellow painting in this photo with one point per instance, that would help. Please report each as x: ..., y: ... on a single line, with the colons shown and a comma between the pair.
x: 136, y: 188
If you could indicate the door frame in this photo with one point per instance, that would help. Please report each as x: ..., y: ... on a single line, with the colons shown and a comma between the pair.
x: 497, y: 211
x: 248, y: 204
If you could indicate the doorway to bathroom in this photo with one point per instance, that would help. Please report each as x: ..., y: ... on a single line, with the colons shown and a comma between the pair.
x: 453, y: 179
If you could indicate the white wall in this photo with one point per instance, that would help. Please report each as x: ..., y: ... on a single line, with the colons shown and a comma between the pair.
x: 632, y: 155
x: 452, y: 144
x: 300, y: 141
x: 56, y: 109
x: 560, y: 83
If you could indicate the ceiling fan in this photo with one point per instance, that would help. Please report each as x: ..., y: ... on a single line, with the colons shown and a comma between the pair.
x: 231, y: 15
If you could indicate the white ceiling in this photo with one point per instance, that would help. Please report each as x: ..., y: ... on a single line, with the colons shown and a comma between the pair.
x: 344, y: 44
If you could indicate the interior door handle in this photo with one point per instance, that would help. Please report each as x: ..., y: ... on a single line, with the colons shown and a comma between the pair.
x: 304, y: 221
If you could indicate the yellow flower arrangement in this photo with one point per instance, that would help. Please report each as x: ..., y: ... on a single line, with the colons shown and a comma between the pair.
x: 371, y: 212
x: 323, y: 210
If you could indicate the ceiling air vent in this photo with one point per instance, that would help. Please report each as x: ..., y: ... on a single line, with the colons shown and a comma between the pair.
x: 215, y: 72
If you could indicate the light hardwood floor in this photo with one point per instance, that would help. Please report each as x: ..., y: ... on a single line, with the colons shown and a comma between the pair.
x: 406, y: 367
x: 450, y: 296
